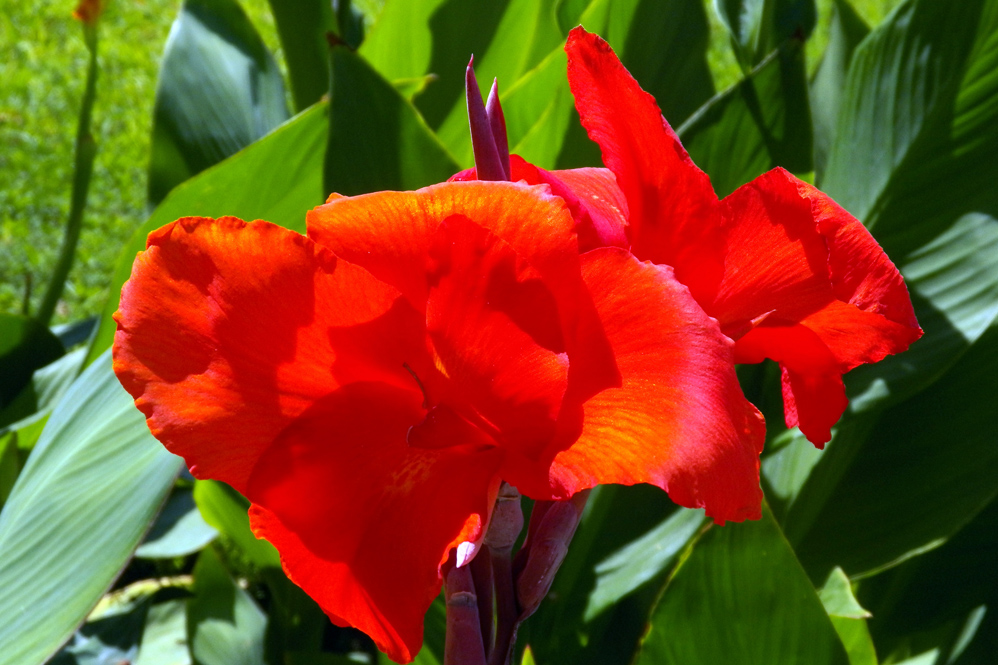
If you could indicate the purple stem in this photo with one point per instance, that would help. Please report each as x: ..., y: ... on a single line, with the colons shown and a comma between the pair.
x: 487, y: 160
x: 481, y: 573
x: 463, y: 644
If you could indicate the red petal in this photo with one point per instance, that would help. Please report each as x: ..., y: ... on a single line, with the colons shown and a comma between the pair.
x: 814, y: 396
x: 228, y: 331
x: 495, y: 330
x: 673, y: 210
x: 391, y: 234
x: 679, y: 420
x: 363, y: 521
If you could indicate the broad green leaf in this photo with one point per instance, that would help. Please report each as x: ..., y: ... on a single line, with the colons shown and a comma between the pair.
x: 922, y: 471
x: 25, y: 345
x: 10, y: 464
x: 43, y: 391
x: 855, y: 637
x: 278, y: 178
x: 761, y: 122
x: 179, y: 529
x: 846, y: 32
x: 111, y: 638
x: 225, y: 509
x: 219, y: 90
x: 87, y: 494
x: 758, y: 26
x: 741, y: 597
x: 558, y: 632
x: 164, y: 640
x: 302, y: 26
x: 400, y: 43
x: 913, y: 158
x: 642, y: 560
x: 377, y: 140
x: 224, y: 625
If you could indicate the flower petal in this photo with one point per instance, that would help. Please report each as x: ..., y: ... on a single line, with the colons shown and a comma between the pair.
x: 363, y: 521
x: 222, y: 344
x: 679, y: 420
x: 672, y: 209
x: 391, y: 234
x: 496, y: 335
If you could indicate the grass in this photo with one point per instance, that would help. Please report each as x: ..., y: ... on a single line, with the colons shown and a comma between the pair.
x: 42, y: 75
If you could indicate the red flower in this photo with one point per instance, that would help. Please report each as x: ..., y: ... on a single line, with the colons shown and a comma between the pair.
x: 789, y: 274
x: 368, y: 386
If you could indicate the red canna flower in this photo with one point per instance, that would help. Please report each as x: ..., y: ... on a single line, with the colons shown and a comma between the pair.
x: 368, y: 386
x: 788, y: 274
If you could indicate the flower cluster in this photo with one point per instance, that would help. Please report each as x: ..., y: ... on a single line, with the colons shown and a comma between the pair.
x: 369, y: 386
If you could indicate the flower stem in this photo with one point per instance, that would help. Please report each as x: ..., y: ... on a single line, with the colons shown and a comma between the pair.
x: 463, y: 644
x: 83, y: 168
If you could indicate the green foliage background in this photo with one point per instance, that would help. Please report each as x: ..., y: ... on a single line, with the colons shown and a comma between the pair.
x: 879, y: 549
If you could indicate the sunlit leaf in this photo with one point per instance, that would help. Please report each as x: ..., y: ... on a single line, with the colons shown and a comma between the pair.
x: 246, y: 185
x: 179, y: 529
x: 302, y: 26
x: 87, y: 494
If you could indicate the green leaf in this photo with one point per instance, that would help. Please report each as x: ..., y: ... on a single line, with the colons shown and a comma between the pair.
x: 761, y: 122
x: 377, y: 139
x: 642, y: 560
x: 741, y: 597
x: 225, y: 509
x: 219, y: 90
x: 837, y: 597
x: 846, y: 32
x: 558, y: 633
x: 913, y: 158
x: 178, y: 531
x: 923, y: 470
x: 224, y: 625
x: 302, y: 26
x: 164, y: 640
x: 25, y: 345
x: 246, y: 185
x: 43, y: 391
x: 111, y: 638
x: 89, y: 491
x: 758, y: 26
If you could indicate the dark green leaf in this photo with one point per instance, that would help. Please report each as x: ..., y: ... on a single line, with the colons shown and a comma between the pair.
x: 741, y: 597
x: 643, y: 560
x: 758, y: 26
x: 914, y: 159
x: 25, y: 345
x: 846, y: 32
x: 87, y: 494
x: 219, y: 90
x: 110, y: 639
x: 377, y: 140
x: 225, y: 509
x: 925, y: 469
x: 178, y: 531
x: 302, y: 26
x: 761, y: 122
x: 246, y: 185
x: 224, y: 625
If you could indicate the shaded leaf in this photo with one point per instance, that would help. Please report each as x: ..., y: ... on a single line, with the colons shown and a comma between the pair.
x: 224, y: 625
x: 741, y: 597
x: 91, y: 487
x: 761, y: 122
x: 179, y: 529
x: 377, y: 140
x: 758, y: 26
x: 25, y: 345
x: 302, y: 26
x: 225, y: 509
x: 219, y: 90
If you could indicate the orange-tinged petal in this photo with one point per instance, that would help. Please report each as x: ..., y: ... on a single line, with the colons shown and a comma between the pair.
x: 679, y: 420
x: 228, y: 331
x: 391, y: 234
x: 496, y: 335
x: 363, y: 521
x: 672, y: 208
